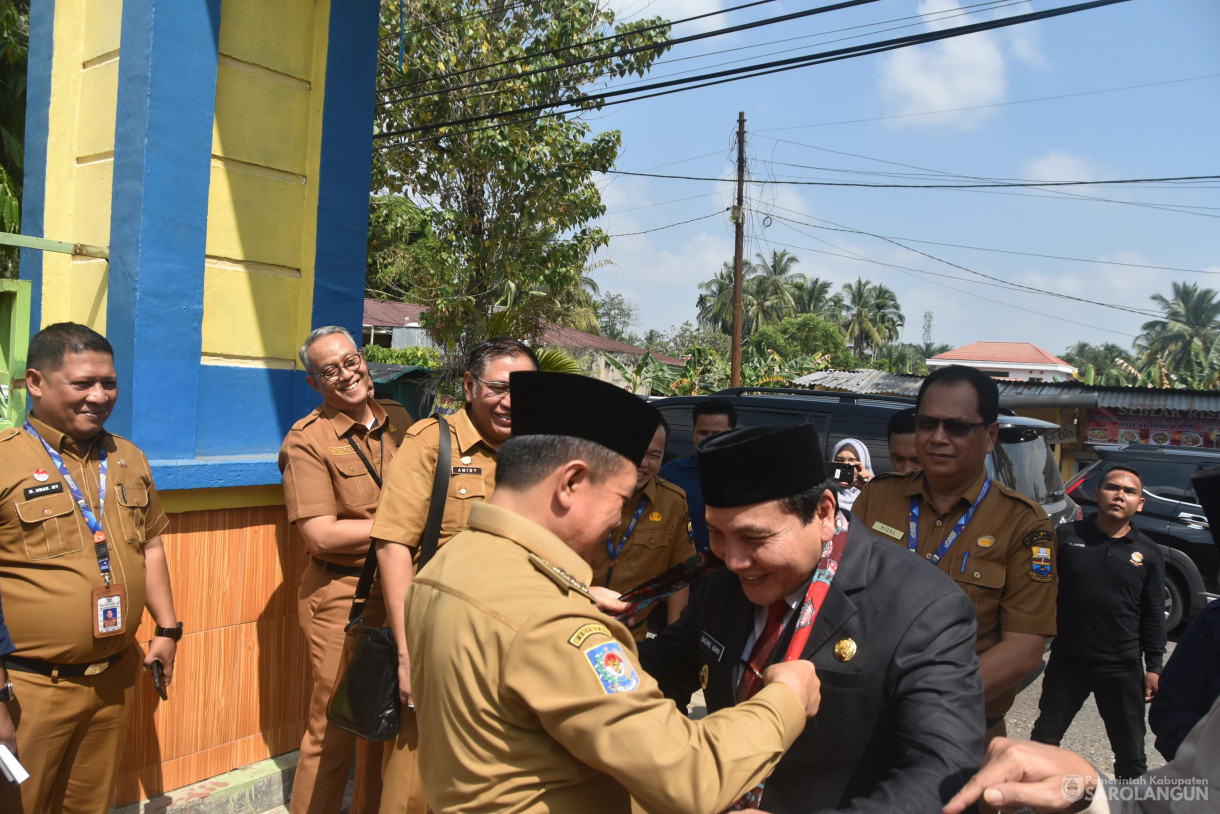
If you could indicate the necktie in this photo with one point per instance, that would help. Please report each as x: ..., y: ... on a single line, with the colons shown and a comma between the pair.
x: 751, y: 675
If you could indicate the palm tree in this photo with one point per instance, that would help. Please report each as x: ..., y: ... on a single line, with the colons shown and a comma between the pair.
x: 888, y: 312
x: 1182, y: 342
x: 715, y: 303
x: 773, y: 283
x: 872, y: 316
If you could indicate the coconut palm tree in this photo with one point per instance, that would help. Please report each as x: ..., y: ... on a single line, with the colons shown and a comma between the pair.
x: 715, y: 302
x: 872, y: 316
x: 773, y: 284
x: 1182, y: 341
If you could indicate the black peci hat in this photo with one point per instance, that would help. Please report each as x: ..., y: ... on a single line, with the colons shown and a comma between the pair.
x: 582, y: 407
x: 756, y: 464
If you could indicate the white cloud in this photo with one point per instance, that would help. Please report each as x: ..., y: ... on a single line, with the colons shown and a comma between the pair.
x: 1059, y: 166
x: 960, y: 72
x: 626, y: 10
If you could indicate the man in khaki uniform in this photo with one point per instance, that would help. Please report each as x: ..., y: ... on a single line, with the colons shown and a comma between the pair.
x: 998, y: 546
x: 331, y: 496
x: 652, y: 535
x: 475, y: 434
x: 76, y: 575
x: 530, y: 699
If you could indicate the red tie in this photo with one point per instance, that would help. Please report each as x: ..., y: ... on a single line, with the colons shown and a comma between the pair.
x: 751, y: 674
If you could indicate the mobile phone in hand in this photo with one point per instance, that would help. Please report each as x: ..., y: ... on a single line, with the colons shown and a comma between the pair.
x: 158, y: 675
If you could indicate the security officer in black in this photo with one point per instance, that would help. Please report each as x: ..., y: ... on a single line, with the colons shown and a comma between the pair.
x: 1111, y: 609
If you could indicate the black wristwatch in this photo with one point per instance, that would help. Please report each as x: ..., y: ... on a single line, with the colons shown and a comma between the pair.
x: 174, y: 633
x: 6, y: 692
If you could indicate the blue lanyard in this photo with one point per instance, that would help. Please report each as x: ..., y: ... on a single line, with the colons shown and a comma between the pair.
x: 913, y: 535
x: 91, y: 519
x: 612, y: 550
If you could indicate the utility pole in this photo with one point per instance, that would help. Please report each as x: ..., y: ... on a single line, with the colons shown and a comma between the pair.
x: 739, y: 219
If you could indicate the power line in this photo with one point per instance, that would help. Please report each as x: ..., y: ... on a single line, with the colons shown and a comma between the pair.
x: 670, y: 225
x: 934, y: 186
x: 764, y: 69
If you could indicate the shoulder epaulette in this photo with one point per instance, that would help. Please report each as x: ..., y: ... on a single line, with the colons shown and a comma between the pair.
x: 671, y: 486
x: 11, y: 432
x: 302, y: 423
x: 890, y: 475
x: 1021, y: 497
x: 560, y: 577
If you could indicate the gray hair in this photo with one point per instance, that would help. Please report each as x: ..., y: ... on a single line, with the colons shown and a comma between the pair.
x: 319, y: 333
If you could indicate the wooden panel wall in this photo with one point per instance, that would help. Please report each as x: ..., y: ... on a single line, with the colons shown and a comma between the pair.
x: 240, y: 691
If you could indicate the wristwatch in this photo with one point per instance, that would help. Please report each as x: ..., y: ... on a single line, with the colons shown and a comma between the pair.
x: 174, y: 633
x: 6, y: 692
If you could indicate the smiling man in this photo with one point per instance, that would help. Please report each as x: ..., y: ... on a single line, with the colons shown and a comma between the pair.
x: 652, y: 535
x: 332, y: 461
x: 80, y: 559
x: 475, y: 433
x: 900, y: 723
x: 996, y: 543
x: 531, y: 700
x: 1111, y: 610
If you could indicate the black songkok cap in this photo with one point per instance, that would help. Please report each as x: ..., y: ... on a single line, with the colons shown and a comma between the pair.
x: 1207, y: 487
x: 756, y: 464
x: 582, y: 407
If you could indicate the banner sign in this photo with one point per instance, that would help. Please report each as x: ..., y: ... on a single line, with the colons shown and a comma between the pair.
x: 1107, y: 426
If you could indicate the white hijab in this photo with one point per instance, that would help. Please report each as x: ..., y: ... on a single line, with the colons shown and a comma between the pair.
x: 848, y: 494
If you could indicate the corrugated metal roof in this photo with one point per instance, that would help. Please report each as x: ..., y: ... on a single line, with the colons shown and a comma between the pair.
x: 877, y: 382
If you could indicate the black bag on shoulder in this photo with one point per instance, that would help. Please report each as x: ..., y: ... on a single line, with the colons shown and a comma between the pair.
x: 365, y: 699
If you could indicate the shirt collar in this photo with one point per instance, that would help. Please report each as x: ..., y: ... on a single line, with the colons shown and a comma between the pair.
x: 343, y: 423
x: 530, y: 536
x: 61, y: 442
x: 468, y: 436
x: 919, y: 486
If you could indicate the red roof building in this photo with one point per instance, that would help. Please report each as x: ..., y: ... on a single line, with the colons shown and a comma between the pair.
x: 1020, y: 361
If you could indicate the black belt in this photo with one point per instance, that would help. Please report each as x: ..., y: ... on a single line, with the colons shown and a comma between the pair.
x: 47, y: 668
x: 332, y: 568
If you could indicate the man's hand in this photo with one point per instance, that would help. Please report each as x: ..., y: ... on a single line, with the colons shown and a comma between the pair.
x: 802, y: 678
x: 1152, y: 683
x: 608, y: 602
x: 164, y: 650
x: 1023, y: 773
x: 8, y: 729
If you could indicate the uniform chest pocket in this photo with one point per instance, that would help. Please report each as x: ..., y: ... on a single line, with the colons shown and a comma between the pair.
x: 51, y: 527
x: 467, y: 487
x: 132, y: 500
x: 354, y: 485
x: 978, y: 578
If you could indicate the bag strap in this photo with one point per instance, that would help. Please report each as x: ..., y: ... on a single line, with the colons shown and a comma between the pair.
x: 369, y: 572
x: 440, y: 487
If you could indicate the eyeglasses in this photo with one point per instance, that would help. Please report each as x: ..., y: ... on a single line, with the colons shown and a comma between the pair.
x: 332, y: 373
x: 497, y: 389
x: 954, y: 427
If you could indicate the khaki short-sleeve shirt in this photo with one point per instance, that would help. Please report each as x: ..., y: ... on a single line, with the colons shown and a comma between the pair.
x: 659, y: 540
x: 407, y: 490
x: 1003, y: 559
x: 324, y: 475
x: 48, y: 567
x: 531, y: 700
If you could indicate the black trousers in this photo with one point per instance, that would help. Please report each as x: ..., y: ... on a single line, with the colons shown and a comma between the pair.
x: 1119, y: 691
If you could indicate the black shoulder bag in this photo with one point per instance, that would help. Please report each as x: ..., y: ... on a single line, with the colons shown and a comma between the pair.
x: 365, y: 698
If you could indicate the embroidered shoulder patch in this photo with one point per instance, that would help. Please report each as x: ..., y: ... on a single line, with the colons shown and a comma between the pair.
x: 612, y: 668
x: 578, y: 638
x: 1035, y: 537
x: 1040, y: 568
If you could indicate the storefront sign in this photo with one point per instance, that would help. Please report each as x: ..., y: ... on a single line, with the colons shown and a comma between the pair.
x: 1110, y: 427
x: 1061, y: 436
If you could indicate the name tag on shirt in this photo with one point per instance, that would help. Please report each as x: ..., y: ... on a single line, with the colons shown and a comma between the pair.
x: 889, y: 531
x: 711, y: 645
x: 32, y: 492
x: 467, y: 470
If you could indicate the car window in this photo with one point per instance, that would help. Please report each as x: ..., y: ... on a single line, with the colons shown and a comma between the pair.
x: 1167, y: 480
x: 869, y: 429
x: 1029, y: 468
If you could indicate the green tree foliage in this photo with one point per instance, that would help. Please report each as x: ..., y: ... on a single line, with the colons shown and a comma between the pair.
x: 715, y: 302
x: 615, y: 316
x: 1181, y: 349
x: 872, y: 316
x: 772, y: 284
x: 509, y: 201
x: 414, y: 355
x: 14, y: 52
x: 1106, y: 364
x: 806, y: 335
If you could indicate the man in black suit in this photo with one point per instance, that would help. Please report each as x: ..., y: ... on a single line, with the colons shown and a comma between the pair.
x: 901, y: 721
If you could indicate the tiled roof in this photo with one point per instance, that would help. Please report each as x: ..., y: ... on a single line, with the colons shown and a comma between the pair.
x: 397, y: 314
x: 1007, y: 352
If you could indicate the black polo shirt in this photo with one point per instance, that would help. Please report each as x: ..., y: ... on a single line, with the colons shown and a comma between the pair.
x: 1111, y: 596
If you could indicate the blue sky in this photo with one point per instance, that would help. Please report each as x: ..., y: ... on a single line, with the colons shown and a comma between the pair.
x: 838, y: 120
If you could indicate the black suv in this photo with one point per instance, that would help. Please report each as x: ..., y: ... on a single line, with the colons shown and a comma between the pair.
x: 1171, y: 516
x: 1022, y: 458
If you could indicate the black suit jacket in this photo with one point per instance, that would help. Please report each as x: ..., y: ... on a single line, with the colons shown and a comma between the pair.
x: 900, y: 726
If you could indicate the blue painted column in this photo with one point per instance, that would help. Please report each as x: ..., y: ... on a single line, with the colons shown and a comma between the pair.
x: 37, y: 126
x: 345, y: 172
x: 162, y: 160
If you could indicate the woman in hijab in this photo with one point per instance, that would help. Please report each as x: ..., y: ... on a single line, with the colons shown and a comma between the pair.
x: 854, y: 453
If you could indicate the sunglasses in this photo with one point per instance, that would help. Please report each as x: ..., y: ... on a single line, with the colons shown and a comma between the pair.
x: 954, y: 427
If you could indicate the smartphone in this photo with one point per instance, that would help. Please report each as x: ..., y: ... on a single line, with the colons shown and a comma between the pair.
x: 158, y: 675
x: 840, y: 472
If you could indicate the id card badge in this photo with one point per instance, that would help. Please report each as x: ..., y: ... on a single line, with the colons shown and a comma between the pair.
x: 109, y: 610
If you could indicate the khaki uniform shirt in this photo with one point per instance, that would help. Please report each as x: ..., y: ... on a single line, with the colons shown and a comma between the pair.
x: 531, y: 700
x: 1003, y: 559
x: 48, y: 568
x: 661, y: 539
x: 323, y: 475
x: 407, y: 490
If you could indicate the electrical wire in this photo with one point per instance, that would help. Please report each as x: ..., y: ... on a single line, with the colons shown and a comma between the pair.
x: 934, y: 186
x: 670, y: 225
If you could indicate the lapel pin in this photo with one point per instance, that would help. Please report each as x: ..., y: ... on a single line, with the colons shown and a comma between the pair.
x: 703, y: 672
x: 845, y: 650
